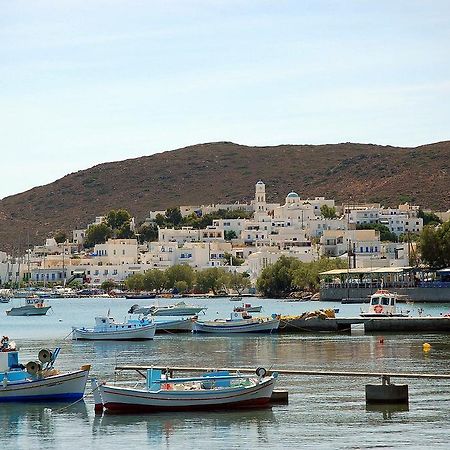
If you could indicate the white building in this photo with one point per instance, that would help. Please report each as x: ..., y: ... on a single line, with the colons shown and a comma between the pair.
x: 117, y: 251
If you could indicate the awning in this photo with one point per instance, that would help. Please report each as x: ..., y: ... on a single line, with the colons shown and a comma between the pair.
x: 366, y: 270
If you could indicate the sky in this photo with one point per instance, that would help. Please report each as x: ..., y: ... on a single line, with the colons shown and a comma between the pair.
x: 85, y: 82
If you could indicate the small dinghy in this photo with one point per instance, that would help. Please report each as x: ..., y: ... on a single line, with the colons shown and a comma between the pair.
x: 210, y: 391
x: 106, y: 328
x: 37, y: 380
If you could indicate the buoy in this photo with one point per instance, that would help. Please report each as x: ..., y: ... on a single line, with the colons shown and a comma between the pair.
x: 426, y: 347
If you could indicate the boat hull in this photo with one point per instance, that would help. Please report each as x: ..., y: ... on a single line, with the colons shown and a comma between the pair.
x: 174, y: 326
x: 69, y: 386
x: 176, y: 312
x: 116, y: 399
x: 267, y: 326
x: 28, y: 311
x: 142, y: 333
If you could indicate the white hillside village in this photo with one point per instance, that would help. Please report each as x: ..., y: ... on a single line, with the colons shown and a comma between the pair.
x: 298, y: 228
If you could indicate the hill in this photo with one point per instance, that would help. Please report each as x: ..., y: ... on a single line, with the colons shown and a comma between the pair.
x: 227, y: 172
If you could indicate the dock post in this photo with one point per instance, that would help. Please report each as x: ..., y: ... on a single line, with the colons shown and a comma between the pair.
x: 387, y: 392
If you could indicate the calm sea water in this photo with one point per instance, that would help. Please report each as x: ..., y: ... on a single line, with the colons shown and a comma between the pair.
x: 322, y: 412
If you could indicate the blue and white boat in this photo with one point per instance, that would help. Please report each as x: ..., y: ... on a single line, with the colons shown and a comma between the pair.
x: 238, y: 323
x: 106, y: 328
x: 37, y: 380
x: 210, y: 391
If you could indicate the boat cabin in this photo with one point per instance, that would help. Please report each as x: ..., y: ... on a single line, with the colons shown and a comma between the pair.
x: 382, y: 303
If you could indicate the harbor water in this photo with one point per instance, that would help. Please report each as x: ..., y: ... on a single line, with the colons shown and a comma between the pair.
x: 323, y: 412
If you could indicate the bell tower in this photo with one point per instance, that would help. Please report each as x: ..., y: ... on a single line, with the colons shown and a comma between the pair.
x: 260, y: 197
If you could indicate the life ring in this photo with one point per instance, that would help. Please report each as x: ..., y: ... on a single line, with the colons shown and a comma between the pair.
x: 378, y: 309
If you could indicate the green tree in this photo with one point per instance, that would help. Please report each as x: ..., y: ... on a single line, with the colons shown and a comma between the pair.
x: 429, y: 218
x: 117, y: 219
x: 329, y: 212
x: 124, y: 232
x: 306, y: 276
x: 135, y: 282
x: 97, y: 234
x: 277, y: 280
x: 108, y: 285
x: 60, y: 236
x: 148, y: 232
x: 232, y: 260
x: 160, y: 220
x: 173, y: 216
x: 180, y: 272
x: 231, y: 234
x: 154, y: 280
x: 181, y: 287
x: 211, y: 279
x: 385, y: 233
x: 239, y: 282
x: 434, y: 245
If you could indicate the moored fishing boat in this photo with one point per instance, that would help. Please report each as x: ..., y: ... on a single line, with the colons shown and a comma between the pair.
x: 106, y: 328
x: 178, y: 309
x: 238, y: 323
x: 211, y: 391
x: 248, y: 307
x: 32, y: 307
x: 37, y: 380
x: 182, y: 325
x: 383, y: 304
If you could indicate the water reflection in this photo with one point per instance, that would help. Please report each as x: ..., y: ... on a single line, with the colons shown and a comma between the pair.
x: 387, y: 410
x: 167, y: 428
x: 38, y: 419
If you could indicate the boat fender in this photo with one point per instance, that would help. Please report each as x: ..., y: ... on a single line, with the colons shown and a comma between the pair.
x: 45, y: 355
x: 261, y: 372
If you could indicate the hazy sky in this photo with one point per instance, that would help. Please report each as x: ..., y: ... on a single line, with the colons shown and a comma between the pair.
x: 89, y: 81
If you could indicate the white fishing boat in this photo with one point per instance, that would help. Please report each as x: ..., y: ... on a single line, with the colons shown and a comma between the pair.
x: 32, y: 307
x: 383, y: 304
x: 238, y: 323
x: 182, y: 325
x: 106, y: 328
x: 37, y: 380
x: 178, y: 309
x: 248, y: 308
x: 211, y: 391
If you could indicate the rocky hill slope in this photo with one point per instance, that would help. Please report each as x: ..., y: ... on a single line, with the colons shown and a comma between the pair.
x: 227, y: 172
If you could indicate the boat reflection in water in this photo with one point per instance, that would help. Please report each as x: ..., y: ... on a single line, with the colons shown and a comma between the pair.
x: 40, y: 419
x: 164, y: 428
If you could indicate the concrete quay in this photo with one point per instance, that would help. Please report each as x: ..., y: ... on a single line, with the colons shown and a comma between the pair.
x: 381, y: 324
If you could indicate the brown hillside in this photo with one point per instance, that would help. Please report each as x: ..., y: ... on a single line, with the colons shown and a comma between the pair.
x: 227, y: 172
